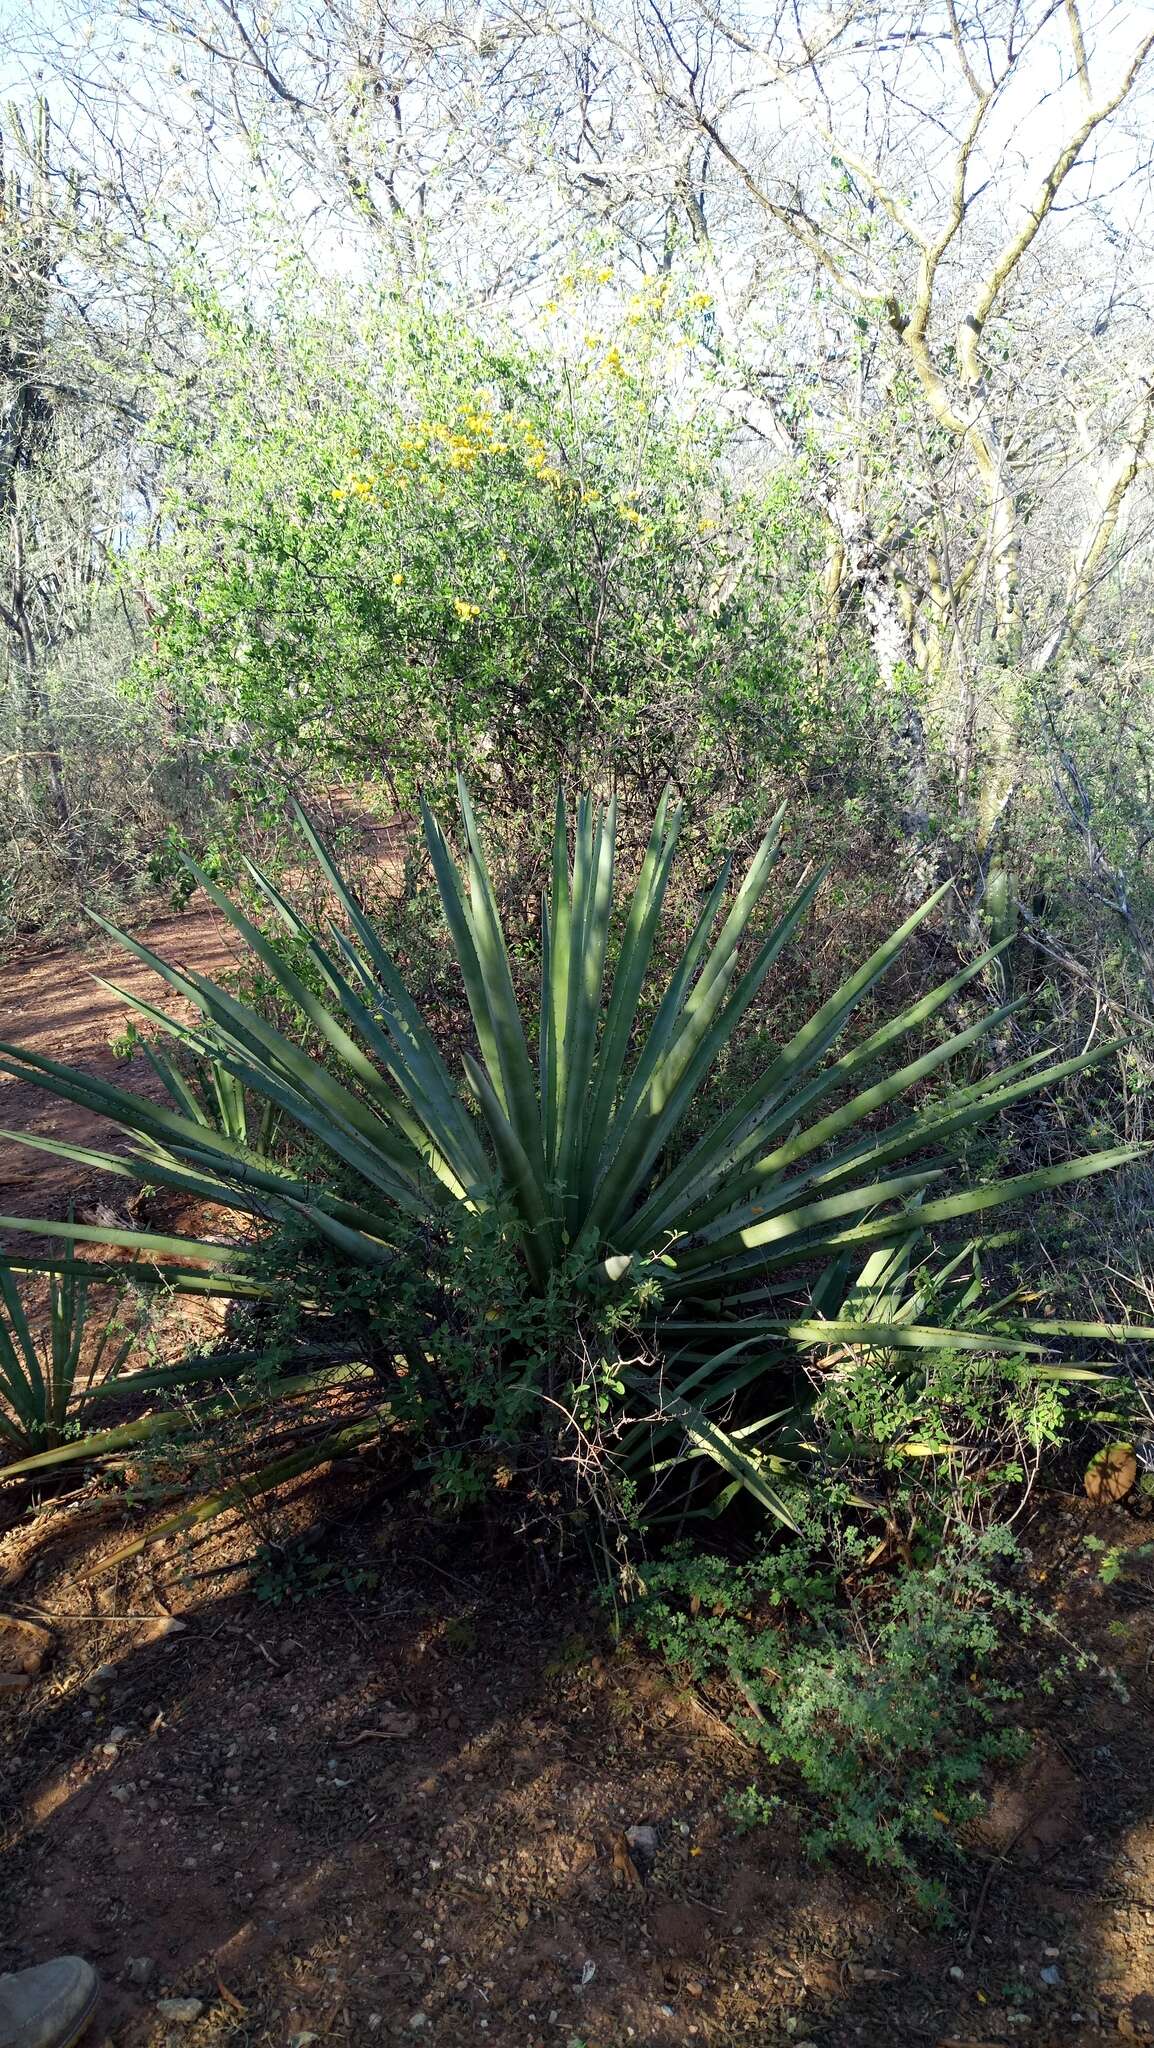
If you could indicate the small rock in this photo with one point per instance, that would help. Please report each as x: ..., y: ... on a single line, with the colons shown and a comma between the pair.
x: 104, y: 1674
x: 117, y: 1735
x: 304, y: 2040
x: 694, y: 1987
x: 1051, y: 1974
x: 183, y: 2012
x: 24, y: 1646
x: 957, y: 1973
x: 139, y: 1969
x: 418, y: 2020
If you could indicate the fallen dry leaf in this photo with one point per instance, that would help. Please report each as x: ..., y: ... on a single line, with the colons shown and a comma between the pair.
x: 1110, y: 1474
x: 625, y: 1871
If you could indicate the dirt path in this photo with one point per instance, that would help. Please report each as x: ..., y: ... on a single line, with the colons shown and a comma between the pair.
x: 50, y: 1003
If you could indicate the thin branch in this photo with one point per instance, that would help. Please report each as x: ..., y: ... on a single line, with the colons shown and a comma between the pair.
x: 1007, y: 261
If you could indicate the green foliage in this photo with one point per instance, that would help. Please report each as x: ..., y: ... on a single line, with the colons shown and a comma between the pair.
x: 887, y: 1710
x: 937, y: 1432
x: 646, y: 1288
x: 90, y: 843
x: 394, y: 547
x: 48, y: 1383
x: 286, y: 1574
x: 1114, y: 1559
x: 207, y: 1093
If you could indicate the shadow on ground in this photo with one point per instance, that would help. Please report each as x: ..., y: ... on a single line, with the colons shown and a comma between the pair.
x: 394, y: 1811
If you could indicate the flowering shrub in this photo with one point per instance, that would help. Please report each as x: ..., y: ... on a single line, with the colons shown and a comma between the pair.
x: 395, y: 547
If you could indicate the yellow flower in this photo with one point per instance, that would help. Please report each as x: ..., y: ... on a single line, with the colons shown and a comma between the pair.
x: 590, y: 497
x: 604, y: 277
x: 612, y: 362
x: 592, y: 341
x: 399, y: 578
x: 466, y: 611
x: 338, y: 494
x: 699, y: 300
x: 706, y: 525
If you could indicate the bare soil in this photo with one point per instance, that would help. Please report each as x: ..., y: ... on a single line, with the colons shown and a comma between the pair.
x: 394, y: 1809
x: 53, y: 1004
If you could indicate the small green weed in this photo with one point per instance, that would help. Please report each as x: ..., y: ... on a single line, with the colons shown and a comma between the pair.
x: 123, y: 1043
x: 285, y: 1577
x: 1114, y: 1559
x: 887, y: 1707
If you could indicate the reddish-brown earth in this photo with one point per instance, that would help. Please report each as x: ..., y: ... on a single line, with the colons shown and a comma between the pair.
x: 52, y: 1004
x: 390, y: 1812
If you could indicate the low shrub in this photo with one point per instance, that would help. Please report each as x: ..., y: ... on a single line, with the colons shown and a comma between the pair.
x: 549, y: 1261
x: 883, y: 1706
